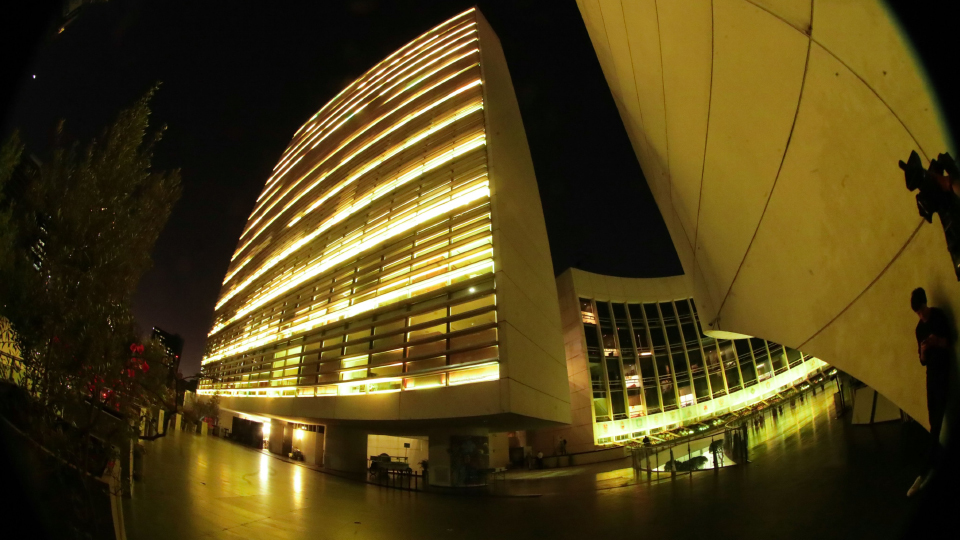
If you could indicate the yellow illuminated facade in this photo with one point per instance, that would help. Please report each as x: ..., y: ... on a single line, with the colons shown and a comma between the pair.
x: 368, y: 263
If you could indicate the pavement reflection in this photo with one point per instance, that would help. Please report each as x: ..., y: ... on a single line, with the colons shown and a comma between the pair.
x: 812, y: 475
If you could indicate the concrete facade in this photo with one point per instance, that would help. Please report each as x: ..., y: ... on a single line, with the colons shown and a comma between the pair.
x: 472, y: 346
x: 769, y: 134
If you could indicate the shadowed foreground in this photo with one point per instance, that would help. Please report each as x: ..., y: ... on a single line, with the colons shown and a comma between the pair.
x: 814, y: 476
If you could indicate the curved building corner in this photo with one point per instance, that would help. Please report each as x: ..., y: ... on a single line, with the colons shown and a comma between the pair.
x: 393, y: 284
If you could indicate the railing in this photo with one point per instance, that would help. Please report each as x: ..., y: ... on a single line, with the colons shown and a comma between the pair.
x: 665, y: 458
x: 407, y: 479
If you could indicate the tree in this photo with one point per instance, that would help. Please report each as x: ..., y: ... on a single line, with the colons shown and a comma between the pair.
x: 82, y: 230
x: 10, y: 153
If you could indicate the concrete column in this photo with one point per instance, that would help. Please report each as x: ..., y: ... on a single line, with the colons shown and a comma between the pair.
x: 277, y: 429
x: 177, y: 421
x: 344, y: 449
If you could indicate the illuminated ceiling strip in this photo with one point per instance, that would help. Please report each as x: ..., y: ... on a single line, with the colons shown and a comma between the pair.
x: 384, y: 188
x: 405, y: 120
x: 448, y: 53
x: 438, y: 47
x: 367, y: 305
x: 421, y: 216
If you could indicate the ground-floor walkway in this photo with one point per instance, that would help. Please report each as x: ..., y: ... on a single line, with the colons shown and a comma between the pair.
x: 813, y: 475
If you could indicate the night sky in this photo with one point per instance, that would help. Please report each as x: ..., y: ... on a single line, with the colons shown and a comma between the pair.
x: 239, y: 78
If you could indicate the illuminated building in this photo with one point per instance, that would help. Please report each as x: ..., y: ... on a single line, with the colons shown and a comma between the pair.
x: 769, y: 135
x: 394, y: 276
x: 639, y: 363
x: 172, y: 343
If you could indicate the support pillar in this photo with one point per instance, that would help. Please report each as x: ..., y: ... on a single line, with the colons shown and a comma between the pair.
x: 277, y: 432
x: 345, y: 449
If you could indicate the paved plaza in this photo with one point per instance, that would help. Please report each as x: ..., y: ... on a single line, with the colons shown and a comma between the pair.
x: 812, y: 476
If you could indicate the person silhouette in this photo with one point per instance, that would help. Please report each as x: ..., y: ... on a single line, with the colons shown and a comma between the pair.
x: 935, y: 337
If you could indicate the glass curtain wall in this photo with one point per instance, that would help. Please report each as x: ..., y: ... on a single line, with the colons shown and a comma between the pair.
x: 654, y: 357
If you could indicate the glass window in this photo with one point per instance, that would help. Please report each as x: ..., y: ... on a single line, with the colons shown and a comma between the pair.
x: 428, y: 332
x: 590, y: 333
x: 586, y: 311
x: 433, y: 347
x: 354, y: 374
x: 631, y: 376
x: 793, y: 356
x: 652, y: 399
x: 668, y: 393
x: 470, y: 322
x: 619, y: 407
x: 353, y: 362
x: 479, y: 303
x: 475, y: 338
x: 428, y: 316
x: 387, y: 356
x: 427, y: 381
x: 762, y: 359
x: 635, y: 402
x: 620, y: 313
x: 742, y: 347
x: 386, y: 371
x: 776, y: 356
x: 728, y: 357
x: 477, y: 374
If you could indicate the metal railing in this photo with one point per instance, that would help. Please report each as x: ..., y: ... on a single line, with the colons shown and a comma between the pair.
x: 405, y: 479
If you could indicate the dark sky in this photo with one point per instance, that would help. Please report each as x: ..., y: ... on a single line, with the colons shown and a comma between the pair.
x: 239, y: 78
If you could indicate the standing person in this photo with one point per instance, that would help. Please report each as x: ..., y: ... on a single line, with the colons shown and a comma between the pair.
x: 935, y: 349
x: 539, y: 460
x: 563, y: 447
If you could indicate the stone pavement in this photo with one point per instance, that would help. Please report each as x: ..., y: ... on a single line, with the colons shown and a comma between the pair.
x: 812, y: 476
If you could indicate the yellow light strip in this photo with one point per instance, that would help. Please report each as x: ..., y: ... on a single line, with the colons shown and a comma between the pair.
x: 385, y: 188
x: 481, y: 190
x: 426, y: 167
x: 388, y: 131
x: 413, y: 45
x: 434, y: 128
x: 364, y: 130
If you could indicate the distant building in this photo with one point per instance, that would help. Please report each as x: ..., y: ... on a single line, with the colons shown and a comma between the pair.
x: 173, y: 344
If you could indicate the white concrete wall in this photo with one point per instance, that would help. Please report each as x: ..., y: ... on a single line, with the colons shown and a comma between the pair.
x: 769, y: 133
x: 532, y: 370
